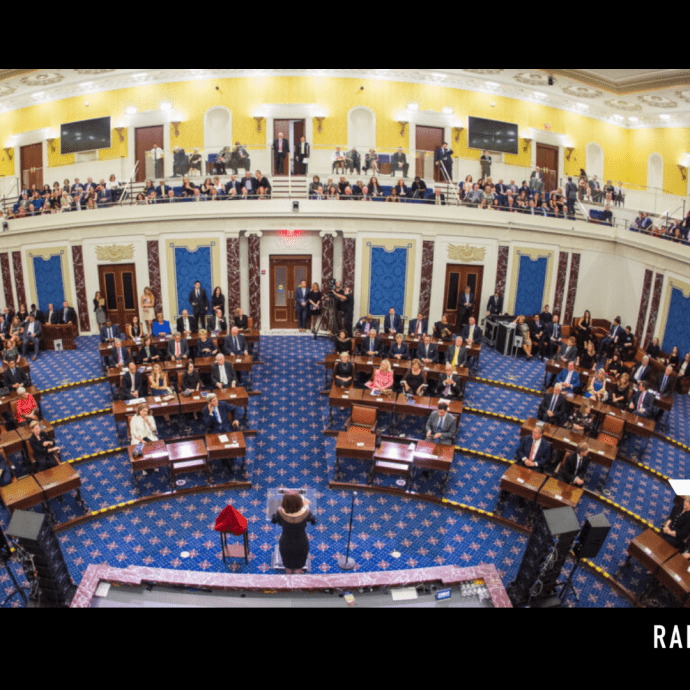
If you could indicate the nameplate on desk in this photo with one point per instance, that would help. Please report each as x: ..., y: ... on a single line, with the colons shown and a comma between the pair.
x: 647, y: 550
x: 228, y: 446
x: 566, y: 440
x: 379, y: 399
x: 345, y: 397
x: 360, y: 445
x: 238, y: 361
x: 601, y: 452
x: 232, y: 397
x: 559, y: 497
x: 370, y: 363
x: 520, y: 480
x: 224, y: 439
x: 640, y: 424
x: 156, y: 400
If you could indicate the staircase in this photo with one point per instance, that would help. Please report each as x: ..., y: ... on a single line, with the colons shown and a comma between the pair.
x: 289, y: 187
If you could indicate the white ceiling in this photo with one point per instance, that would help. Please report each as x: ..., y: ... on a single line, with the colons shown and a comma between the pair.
x: 632, y: 98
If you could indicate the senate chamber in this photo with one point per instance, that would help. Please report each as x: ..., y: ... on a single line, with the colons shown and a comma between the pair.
x: 331, y: 338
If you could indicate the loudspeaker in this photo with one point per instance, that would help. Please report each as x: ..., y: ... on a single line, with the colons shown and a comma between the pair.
x: 593, y: 536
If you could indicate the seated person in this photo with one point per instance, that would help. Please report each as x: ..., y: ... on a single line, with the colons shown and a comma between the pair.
x: 371, y: 345
x: 620, y: 397
x: 450, y: 384
x: 676, y: 529
x: 142, y: 427
x: 216, y: 323
x: 14, y: 377
x: 573, y: 469
x: 27, y: 409
x: 471, y: 333
x: 132, y: 384
x: 539, y: 336
x: 643, y: 372
x: 110, y: 332
x: 569, y: 379
x: 596, y: 388
x: 240, y: 320
x: 441, y: 426
x: 553, y: 408
x: 582, y: 420
x: 418, y: 327
x: 119, y: 356
x: 614, y: 366
x: 589, y: 357
x: 534, y: 452
x: 627, y: 345
x: 443, y: 330
x: 344, y: 372
x: 46, y: 453
x: 642, y: 403
x: 343, y: 343
x: 654, y: 349
x: 383, y: 378
x: 223, y: 374
x: 366, y: 324
x: 160, y: 327
x: 456, y: 354
x: 178, y: 348
x: 414, y: 382
x: 217, y: 416
x: 191, y: 380
x: 555, y: 333
x: 568, y: 351
x: 392, y: 324
x: 666, y: 382
x: 205, y: 345
x: 134, y: 330
x: 400, y: 350
x: 427, y: 352
x: 235, y: 344
x: 148, y: 354
x: 158, y: 381
x: 186, y: 324
x: 522, y: 331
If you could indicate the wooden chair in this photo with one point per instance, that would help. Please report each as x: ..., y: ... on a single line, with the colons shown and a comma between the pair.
x: 611, y: 431
x: 363, y: 418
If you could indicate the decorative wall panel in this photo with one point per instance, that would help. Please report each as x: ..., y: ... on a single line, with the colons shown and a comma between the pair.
x: 427, y: 278
x: 675, y: 329
x: 387, y: 277
x: 7, y: 280
x: 189, y: 261
x: 654, y: 311
x: 254, y: 260
x: 19, y: 278
x: 154, y: 272
x: 234, y: 276
x: 644, y: 304
x: 80, y: 288
x: 561, y: 275
x: 572, y: 289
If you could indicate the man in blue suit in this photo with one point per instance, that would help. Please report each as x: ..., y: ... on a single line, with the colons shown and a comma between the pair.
x: 533, y: 452
x: 613, y: 338
x: 302, y: 302
x: 164, y: 192
x: 444, y: 158
x: 392, y: 324
x: 216, y: 416
x: 32, y: 336
x: 427, y: 352
x: 418, y: 326
x: 110, y: 332
x: 569, y: 379
x: 642, y: 403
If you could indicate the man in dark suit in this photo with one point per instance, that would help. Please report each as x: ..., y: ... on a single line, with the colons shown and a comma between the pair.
x: 444, y: 159
x: 51, y: 316
x: 37, y: 314
x: 555, y: 334
x: 110, y: 332
x: 418, y: 326
x: 223, y: 374
x: 132, y: 384
x: 495, y: 306
x: 164, y: 192
x: 199, y: 301
x: 574, y: 467
x: 14, y: 377
x: 281, y: 150
x: 642, y: 373
x: 666, y: 382
x: 456, y: 354
x: 366, y: 324
x: 235, y: 344
x: 553, y: 408
x: 450, y: 384
x: 399, y: 163
x: 465, y: 306
x: 186, y: 324
x: 612, y: 339
x: 217, y: 322
x: 534, y: 452
x: 642, y: 403
x: 441, y: 426
x: 371, y: 345
x: 427, y: 352
x: 217, y: 416
x: 471, y: 333
x: 302, y: 155
x: 67, y: 315
x: 302, y: 305
x: 178, y: 349
x: 32, y: 336
x: 392, y: 324
x: 539, y: 336
x: 249, y: 185
x: 119, y: 356
x: 571, y: 196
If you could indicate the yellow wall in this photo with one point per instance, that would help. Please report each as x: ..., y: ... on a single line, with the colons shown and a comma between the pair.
x: 626, y: 151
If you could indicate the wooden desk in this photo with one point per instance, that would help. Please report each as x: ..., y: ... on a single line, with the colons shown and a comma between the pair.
x: 155, y: 456
x: 65, y: 332
x: 521, y: 481
x: 396, y: 459
x: 343, y: 398
x: 434, y: 457
x: 651, y: 550
x: 357, y: 444
x: 236, y: 447
x: 58, y: 481
x: 22, y: 495
x: 237, y: 397
x: 556, y: 494
x: 674, y: 575
x: 188, y: 456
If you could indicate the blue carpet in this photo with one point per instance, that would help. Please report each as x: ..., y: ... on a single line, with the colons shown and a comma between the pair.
x: 291, y: 451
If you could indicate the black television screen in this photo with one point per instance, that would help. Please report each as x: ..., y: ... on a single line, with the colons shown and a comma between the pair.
x: 88, y: 135
x: 489, y: 135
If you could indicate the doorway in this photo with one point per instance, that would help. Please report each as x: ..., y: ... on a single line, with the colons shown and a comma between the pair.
x: 146, y: 139
x: 548, y: 160
x: 287, y: 272
x: 119, y: 288
x: 32, y: 166
x: 293, y: 131
x: 457, y: 278
x: 429, y: 140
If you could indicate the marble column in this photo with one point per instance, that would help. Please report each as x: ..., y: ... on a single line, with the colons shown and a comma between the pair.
x: 327, y: 267
x: 644, y: 304
x: 428, y: 249
x: 502, y: 271
x: 19, y: 278
x: 234, y: 281
x: 254, y: 261
x: 572, y: 289
x: 80, y: 286
x: 656, y: 301
x: 349, y: 278
x: 155, y: 273
x: 560, y: 283
x: 7, y: 280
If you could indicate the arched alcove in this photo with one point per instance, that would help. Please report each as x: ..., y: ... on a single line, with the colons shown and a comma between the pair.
x: 361, y: 129
x: 217, y: 129
x: 655, y: 171
x: 595, y: 160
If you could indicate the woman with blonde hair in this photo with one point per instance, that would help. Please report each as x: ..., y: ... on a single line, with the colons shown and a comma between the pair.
x: 148, y: 311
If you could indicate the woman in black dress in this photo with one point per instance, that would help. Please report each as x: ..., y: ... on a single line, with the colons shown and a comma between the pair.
x: 343, y: 343
x: 344, y: 372
x: 415, y: 381
x: 191, y: 381
x: 206, y: 346
x: 218, y: 301
x: 293, y: 516
x: 676, y: 530
x: 620, y: 397
x: 584, y: 331
x: 314, y: 303
x: 241, y: 321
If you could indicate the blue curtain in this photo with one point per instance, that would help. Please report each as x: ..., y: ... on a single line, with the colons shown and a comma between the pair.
x: 49, y: 286
x: 530, y: 292
x: 190, y: 267
x: 388, y: 280
x: 678, y: 324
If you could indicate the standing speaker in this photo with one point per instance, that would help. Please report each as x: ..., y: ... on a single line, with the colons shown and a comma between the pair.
x: 49, y: 574
x: 593, y: 536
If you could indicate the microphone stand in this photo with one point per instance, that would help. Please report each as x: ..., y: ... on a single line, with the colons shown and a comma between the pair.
x: 347, y: 563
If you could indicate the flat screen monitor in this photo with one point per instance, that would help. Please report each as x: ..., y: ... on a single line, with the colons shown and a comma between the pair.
x: 88, y: 135
x: 490, y: 135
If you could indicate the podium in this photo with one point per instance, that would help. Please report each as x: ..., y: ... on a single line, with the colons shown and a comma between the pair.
x: 67, y: 333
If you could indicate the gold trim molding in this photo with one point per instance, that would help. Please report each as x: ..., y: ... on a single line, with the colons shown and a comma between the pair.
x: 466, y: 254
x: 115, y: 253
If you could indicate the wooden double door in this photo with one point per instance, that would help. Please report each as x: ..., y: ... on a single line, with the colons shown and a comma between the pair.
x: 119, y: 289
x: 287, y: 272
x: 457, y: 279
x: 293, y: 131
